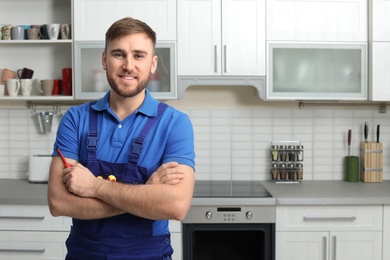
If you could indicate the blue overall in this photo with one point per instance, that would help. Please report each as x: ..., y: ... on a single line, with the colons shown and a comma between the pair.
x: 124, y: 236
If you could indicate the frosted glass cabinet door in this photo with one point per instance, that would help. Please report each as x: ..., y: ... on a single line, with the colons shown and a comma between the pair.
x: 91, y: 81
x: 317, y: 71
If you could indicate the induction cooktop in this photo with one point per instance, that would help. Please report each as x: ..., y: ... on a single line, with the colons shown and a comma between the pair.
x: 230, y: 189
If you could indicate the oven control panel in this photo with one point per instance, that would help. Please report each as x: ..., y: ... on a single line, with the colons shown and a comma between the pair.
x: 230, y: 214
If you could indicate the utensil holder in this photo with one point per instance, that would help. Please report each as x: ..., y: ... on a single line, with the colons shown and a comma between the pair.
x: 352, y: 168
x: 45, y: 120
x: 371, y: 162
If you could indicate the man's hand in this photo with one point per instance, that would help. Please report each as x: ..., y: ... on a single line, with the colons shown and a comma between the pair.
x: 80, y: 181
x: 168, y: 173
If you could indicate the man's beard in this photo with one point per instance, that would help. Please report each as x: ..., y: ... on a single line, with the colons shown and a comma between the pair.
x: 141, y: 87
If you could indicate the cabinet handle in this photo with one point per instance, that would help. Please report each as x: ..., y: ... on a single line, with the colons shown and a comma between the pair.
x: 324, y: 246
x: 25, y: 250
x: 22, y: 217
x: 215, y: 58
x: 225, y: 58
x: 352, y: 218
x: 334, y: 247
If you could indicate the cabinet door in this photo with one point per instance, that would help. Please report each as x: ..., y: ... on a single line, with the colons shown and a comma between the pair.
x: 243, y: 37
x: 380, y: 26
x: 386, y: 232
x: 20, y: 245
x: 302, y: 245
x: 90, y: 78
x: 93, y: 17
x: 356, y: 245
x: 380, y: 71
x: 199, y: 37
x: 322, y: 20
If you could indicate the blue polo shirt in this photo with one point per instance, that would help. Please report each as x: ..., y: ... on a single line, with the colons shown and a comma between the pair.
x: 170, y: 139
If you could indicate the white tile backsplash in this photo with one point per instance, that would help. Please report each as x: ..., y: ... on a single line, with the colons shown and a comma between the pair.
x: 229, y: 143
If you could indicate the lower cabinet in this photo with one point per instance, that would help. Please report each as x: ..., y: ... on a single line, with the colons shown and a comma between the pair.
x: 329, y: 232
x: 32, y: 245
x: 176, y: 240
x: 386, y: 232
x: 30, y: 232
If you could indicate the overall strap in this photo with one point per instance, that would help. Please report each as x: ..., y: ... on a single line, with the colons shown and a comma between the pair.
x: 92, y: 133
x: 139, y: 140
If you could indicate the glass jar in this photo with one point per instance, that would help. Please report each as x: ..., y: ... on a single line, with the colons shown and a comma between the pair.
x: 274, y: 153
x: 300, y: 153
x: 274, y: 171
x: 283, y: 153
x: 291, y: 171
x: 291, y: 153
x: 299, y: 169
x: 282, y: 172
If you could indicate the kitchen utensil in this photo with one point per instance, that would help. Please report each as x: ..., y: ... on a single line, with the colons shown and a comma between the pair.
x: 365, y: 131
x: 377, y: 133
x: 66, y: 164
x: 349, y: 141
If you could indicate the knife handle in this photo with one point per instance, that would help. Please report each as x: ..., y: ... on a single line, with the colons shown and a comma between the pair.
x: 365, y: 131
x: 349, y: 137
x: 377, y: 133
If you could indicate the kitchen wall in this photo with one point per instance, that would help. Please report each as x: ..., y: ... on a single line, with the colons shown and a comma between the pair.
x: 233, y: 132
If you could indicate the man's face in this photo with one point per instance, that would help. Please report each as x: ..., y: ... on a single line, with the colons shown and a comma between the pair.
x: 128, y: 62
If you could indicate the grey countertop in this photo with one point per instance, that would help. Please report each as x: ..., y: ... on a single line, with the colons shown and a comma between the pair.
x: 21, y: 192
x: 329, y: 193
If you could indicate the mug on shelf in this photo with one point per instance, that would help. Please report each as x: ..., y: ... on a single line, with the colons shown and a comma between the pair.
x: 13, y: 86
x: 17, y: 32
x: 53, y: 30
x: 26, y: 86
x: 25, y: 73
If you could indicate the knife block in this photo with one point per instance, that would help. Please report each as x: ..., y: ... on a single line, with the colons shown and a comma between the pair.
x: 371, y: 162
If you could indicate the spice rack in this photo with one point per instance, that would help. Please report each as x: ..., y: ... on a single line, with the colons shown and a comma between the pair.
x: 286, y: 161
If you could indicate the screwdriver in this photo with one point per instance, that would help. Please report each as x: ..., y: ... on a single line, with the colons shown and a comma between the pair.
x: 67, y: 165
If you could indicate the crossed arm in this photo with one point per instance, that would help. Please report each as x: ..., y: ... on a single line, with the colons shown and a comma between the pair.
x: 77, y: 193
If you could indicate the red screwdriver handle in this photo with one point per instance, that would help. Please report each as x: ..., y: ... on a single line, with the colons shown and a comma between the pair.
x: 67, y: 165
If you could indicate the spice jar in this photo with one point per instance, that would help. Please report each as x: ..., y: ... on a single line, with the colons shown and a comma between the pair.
x: 291, y: 171
x: 274, y: 171
x: 282, y: 171
x: 283, y: 153
x: 299, y: 169
x: 274, y: 153
x: 300, y: 153
x: 291, y: 153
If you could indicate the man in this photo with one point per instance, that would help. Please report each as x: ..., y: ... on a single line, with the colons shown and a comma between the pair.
x: 148, y: 147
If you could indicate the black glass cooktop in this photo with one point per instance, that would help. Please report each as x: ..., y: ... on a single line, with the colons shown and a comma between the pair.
x: 231, y: 189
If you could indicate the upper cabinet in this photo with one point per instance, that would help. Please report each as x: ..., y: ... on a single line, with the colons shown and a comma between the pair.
x: 322, y: 20
x: 93, y: 17
x: 316, y: 50
x: 379, y: 21
x: 379, y: 63
x: 221, y: 42
x: 45, y: 57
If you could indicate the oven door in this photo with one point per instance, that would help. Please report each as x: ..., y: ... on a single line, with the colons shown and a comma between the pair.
x: 228, y: 241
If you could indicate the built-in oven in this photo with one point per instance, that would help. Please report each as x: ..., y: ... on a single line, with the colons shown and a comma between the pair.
x: 230, y: 220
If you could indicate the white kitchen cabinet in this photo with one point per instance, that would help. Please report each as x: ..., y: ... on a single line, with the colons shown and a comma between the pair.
x: 45, y: 57
x: 30, y: 232
x: 176, y: 239
x: 379, y: 26
x: 316, y: 71
x: 92, y: 18
x: 91, y: 81
x: 221, y: 37
x: 329, y: 232
x: 321, y: 20
x: 379, y: 76
x: 386, y: 232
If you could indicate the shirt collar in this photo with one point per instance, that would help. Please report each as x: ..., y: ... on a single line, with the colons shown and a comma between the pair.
x: 148, y: 106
